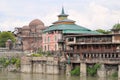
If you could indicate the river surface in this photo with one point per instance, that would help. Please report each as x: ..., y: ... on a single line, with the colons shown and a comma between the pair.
x: 26, y: 76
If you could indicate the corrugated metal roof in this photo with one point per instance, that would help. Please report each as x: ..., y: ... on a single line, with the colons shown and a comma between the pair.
x: 66, y: 27
x: 80, y: 32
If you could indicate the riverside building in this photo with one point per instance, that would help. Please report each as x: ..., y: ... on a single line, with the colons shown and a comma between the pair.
x: 54, y: 34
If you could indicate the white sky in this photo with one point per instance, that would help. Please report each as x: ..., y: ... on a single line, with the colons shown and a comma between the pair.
x: 92, y: 14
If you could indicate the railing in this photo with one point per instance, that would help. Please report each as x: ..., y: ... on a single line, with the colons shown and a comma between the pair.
x: 93, y: 51
x: 106, y: 61
x: 60, y: 40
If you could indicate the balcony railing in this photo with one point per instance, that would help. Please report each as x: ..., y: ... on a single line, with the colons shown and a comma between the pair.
x: 98, y: 60
x: 60, y: 41
x: 92, y: 51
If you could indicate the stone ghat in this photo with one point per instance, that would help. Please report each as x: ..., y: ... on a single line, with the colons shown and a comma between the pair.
x: 45, y: 65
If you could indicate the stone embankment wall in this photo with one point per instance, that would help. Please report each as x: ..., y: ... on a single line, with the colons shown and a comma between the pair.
x: 45, y: 65
x: 4, y: 52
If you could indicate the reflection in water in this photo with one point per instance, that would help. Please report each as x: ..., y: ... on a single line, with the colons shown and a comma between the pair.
x: 102, y: 79
x: 83, y: 78
x: 25, y: 76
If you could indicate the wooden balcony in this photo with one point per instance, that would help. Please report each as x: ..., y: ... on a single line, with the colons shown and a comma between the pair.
x: 92, y: 51
x: 101, y: 60
x: 97, y: 60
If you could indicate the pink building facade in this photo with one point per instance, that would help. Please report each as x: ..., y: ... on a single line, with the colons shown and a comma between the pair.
x: 50, y: 41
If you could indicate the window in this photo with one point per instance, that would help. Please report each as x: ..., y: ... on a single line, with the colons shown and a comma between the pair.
x: 71, y: 39
x: 55, y: 47
x: 96, y: 46
x: 108, y: 46
x: 48, y: 39
x: 48, y: 47
x: 55, y: 38
x: 45, y: 39
x: 83, y: 47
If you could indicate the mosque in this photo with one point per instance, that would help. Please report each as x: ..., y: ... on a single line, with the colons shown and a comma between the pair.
x: 65, y: 35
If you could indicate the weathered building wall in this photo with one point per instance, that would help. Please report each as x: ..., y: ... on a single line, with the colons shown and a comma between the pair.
x: 101, y: 72
x: 26, y: 65
x: 52, y: 66
x: 119, y: 71
x: 83, y: 69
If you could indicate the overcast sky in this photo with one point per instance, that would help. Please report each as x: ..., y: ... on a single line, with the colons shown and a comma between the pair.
x: 92, y: 14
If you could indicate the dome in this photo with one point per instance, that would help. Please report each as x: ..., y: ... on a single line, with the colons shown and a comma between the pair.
x: 40, y: 27
x: 36, y: 22
x: 25, y: 27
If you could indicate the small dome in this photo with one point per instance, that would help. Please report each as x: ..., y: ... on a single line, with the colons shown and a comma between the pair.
x: 36, y: 22
x: 25, y: 27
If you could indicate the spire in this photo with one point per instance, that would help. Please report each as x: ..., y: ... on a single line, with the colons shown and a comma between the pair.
x: 62, y: 16
x: 62, y: 10
x: 62, y: 13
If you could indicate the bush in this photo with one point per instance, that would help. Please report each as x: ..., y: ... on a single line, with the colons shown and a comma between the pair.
x: 17, y: 63
x: 93, y: 70
x: 6, y: 61
x: 115, y: 74
x: 36, y: 55
x: 75, y: 71
x: 13, y: 60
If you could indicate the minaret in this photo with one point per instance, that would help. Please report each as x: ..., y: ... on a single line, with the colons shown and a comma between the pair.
x: 62, y: 16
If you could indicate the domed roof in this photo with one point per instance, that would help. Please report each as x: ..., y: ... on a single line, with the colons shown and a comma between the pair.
x: 25, y: 27
x: 36, y: 22
x: 40, y: 27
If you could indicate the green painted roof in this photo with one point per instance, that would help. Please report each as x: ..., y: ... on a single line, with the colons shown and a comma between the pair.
x: 70, y: 28
x: 80, y: 32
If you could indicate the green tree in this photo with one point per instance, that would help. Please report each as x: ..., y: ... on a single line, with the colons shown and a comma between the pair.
x: 75, y: 71
x: 4, y: 36
x: 93, y: 70
x: 103, y: 31
x: 116, y: 26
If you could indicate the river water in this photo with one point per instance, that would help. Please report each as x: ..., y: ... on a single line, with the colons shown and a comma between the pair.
x: 26, y: 76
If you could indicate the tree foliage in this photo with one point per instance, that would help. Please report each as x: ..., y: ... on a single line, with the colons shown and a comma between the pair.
x: 4, y: 36
x: 103, y: 31
x: 75, y: 71
x: 93, y: 70
x: 116, y: 26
